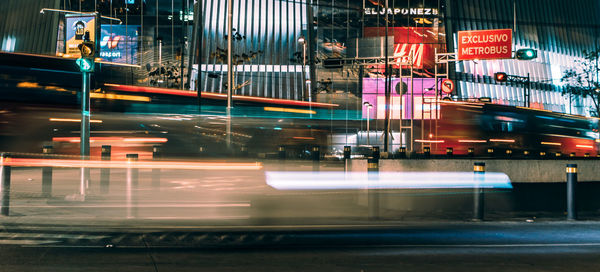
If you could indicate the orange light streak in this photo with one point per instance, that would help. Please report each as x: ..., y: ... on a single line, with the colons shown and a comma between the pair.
x: 550, y: 143
x: 303, y: 138
x: 502, y: 140
x: 24, y: 162
x: 112, y: 139
x: 429, y: 141
x: 72, y: 120
x: 472, y: 141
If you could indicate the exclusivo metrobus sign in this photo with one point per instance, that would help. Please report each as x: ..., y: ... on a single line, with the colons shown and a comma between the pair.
x: 485, y: 44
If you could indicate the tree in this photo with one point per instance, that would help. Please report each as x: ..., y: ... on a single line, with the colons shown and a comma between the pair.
x: 584, y: 79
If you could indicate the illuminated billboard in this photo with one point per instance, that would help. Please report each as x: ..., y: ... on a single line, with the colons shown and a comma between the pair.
x: 76, y: 27
x: 119, y: 43
x: 416, y: 42
x: 420, y: 89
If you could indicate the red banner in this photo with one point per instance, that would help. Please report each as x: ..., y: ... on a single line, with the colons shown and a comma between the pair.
x: 415, y: 42
x: 485, y: 44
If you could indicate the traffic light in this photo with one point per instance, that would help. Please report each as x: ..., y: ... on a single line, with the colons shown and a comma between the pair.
x: 501, y: 77
x: 87, y: 49
x: 526, y: 54
x: 88, y: 52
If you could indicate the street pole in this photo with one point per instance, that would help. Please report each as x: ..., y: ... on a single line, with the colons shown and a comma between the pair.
x: 368, y: 128
x: 84, y: 139
x: 229, y: 71
x: 528, y: 91
x: 304, y: 87
x: 387, y: 84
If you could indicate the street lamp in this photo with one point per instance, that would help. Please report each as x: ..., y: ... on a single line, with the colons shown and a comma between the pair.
x: 305, y: 91
x: 369, y: 106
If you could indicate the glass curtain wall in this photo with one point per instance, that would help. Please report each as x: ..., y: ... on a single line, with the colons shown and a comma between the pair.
x: 559, y: 30
x: 267, y: 47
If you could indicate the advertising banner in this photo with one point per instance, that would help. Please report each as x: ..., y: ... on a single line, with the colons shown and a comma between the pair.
x: 418, y: 43
x: 485, y: 44
x: 422, y: 91
x: 76, y: 27
x: 119, y: 43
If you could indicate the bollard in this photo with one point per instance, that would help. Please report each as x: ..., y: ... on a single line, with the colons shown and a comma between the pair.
x: 508, y: 153
x: 490, y: 152
x: 526, y: 153
x: 427, y: 152
x: 47, y: 173
x: 557, y: 154
x: 542, y: 154
x: 132, y: 183
x: 471, y: 152
x: 105, y: 172
x: 478, y: 193
x: 402, y: 153
x: 316, y: 156
x: 571, y: 191
x: 347, y: 153
x: 281, y: 150
x: 373, y: 176
x: 156, y: 171
x: 449, y: 151
x: 573, y: 154
x: 5, y: 184
x: 586, y: 155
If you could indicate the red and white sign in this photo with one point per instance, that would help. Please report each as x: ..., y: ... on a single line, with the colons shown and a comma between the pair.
x: 447, y: 86
x: 416, y: 42
x: 485, y: 44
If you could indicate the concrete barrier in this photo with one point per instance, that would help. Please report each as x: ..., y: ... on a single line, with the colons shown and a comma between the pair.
x: 519, y: 171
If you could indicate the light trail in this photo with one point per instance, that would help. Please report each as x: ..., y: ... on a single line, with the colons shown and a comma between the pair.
x: 385, y: 180
x: 24, y: 162
x: 72, y: 120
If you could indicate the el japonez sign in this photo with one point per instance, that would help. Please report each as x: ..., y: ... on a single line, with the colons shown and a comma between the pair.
x: 485, y: 44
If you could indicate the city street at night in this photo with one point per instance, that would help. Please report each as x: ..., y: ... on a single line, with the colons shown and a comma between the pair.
x: 299, y: 135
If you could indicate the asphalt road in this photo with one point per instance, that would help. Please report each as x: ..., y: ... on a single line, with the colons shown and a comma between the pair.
x: 554, y: 246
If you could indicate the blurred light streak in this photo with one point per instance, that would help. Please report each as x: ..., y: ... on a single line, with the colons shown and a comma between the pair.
x: 472, y: 141
x: 303, y: 138
x: 146, y: 140
x: 120, y: 97
x: 112, y: 139
x: 550, y: 143
x: 502, y: 140
x: 385, y: 180
x: 72, y: 120
x: 155, y: 90
x: 429, y: 141
x: 585, y: 146
x: 26, y: 84
x: 289, y: 110
x: 158, y: 205
x: 24, y: 162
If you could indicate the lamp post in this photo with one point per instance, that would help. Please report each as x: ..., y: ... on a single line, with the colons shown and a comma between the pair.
x: 305, y: 90
x: 368, y: 106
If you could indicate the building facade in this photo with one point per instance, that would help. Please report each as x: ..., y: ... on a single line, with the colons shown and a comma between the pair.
x: 559, y: 30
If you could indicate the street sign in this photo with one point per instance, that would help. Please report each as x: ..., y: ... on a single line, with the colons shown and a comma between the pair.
x: 85, y: 65
x: 447, y: 86
x: 485, y: 44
